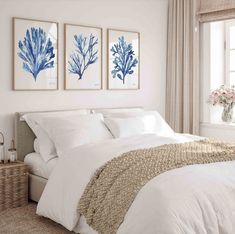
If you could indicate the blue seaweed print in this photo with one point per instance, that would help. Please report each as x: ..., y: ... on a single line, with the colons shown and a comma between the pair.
x: 36, y: 51
x: 124, y: 60
x: 84, y: 55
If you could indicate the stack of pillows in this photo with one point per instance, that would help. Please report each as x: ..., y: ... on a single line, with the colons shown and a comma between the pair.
x: 58, y: 132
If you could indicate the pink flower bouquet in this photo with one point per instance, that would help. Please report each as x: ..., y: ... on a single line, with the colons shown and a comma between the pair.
x: 224, y: 97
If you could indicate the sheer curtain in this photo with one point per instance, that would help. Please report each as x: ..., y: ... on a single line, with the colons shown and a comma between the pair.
x: 182, y: 86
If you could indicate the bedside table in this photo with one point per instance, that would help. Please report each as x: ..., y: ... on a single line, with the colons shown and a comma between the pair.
x: 13, y: 185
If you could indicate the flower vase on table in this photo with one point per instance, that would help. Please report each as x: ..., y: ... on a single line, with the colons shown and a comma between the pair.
x: 227, y: 114
x: 224, y: 97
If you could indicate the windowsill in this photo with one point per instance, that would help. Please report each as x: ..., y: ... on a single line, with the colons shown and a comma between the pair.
x: 219, y: 125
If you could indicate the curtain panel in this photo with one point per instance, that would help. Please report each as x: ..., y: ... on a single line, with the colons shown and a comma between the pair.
x: 182, y: 85
x: 214, y: 10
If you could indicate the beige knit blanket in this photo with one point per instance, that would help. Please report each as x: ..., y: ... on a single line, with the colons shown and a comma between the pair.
x: 113, y: 188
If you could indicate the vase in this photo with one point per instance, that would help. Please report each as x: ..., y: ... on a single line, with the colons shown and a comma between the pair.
x: 227, y: 115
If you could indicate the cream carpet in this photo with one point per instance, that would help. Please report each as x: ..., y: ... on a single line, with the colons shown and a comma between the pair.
x: 24, y: 220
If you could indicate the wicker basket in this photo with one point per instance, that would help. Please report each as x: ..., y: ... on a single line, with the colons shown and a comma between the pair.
x: 13, y: 185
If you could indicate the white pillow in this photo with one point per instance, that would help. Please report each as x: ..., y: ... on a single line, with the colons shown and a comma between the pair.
x: 71, y: 131
x: 109, y: 112
x: 36, y: 146
x: 46, y: 146
x: 138, y: 123
x: 125, y: 127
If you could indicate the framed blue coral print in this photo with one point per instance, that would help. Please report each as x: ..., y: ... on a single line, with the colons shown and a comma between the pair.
x: 35, y: 53
x: 123, y: 59
x: 83, y: 57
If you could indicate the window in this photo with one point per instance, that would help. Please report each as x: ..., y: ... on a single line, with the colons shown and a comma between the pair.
x: 229, y: 52
x: 217, y: 63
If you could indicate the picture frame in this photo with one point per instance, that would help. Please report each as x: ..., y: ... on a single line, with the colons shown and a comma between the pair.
x: 35, y: 54
x: 83, y: 57
x: 123, y: 74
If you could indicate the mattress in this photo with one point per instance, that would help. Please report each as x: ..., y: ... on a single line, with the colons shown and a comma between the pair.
x: 37, y: 166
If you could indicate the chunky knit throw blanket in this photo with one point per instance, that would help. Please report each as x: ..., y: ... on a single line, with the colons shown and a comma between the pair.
x: 115, y: 185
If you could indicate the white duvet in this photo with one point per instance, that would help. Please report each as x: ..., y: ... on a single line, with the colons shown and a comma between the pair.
x: 194, y: 199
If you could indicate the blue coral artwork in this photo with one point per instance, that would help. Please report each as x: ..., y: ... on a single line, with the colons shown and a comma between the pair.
x: 36, y: 52
x: 123, y: 60
x: 83, y: 57
x: 35, y: 55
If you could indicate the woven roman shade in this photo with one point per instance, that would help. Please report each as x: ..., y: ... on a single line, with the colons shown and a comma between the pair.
x: 214, y: 10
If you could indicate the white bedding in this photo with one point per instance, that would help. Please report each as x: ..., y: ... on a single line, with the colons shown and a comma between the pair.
x: 37, y: 166
x: 198, y: 199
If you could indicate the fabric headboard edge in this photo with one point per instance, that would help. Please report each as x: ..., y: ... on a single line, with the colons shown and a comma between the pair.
x: 24, y: 137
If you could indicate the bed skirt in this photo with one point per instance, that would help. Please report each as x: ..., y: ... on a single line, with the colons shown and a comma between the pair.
x: 36, y: 187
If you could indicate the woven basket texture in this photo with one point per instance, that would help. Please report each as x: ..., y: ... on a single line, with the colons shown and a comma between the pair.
x: 13, y: 185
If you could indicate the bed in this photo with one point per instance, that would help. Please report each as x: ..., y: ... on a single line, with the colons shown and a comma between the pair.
x: 134, y: 183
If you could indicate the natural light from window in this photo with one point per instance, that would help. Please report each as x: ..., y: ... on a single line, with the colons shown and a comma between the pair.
x: 217, y: 64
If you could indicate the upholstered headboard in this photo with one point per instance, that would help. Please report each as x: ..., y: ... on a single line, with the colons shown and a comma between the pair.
x: 24, y: 137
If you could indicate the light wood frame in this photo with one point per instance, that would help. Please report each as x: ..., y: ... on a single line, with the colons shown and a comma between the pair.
x: 65, y: 56
x: 14, y: 50
x: 127, y: 31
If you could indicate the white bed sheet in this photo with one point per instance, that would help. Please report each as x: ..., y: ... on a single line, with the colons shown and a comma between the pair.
x: 37, y: 166
x: 196, y: 199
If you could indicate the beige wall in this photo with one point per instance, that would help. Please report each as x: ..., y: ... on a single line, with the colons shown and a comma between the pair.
x: 149, y: 17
